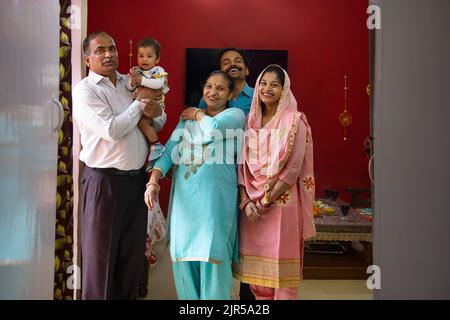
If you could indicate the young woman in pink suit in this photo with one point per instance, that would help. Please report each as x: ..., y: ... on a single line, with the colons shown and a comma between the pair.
x: 276, y: 186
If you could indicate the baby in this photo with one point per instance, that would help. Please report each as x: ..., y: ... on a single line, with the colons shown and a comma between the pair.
x: 149, y: 75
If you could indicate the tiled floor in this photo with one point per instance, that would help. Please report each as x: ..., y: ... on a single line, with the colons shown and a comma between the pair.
x: 161, y: 285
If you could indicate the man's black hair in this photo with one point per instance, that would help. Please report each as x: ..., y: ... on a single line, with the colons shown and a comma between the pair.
x: 222, y: 52
x: 89, y: 38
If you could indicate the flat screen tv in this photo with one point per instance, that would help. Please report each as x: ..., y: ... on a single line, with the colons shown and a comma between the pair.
x: 200, y: 62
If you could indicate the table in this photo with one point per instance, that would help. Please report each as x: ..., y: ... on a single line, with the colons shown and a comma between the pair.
x: 335, y: 227
x: 352, y: 231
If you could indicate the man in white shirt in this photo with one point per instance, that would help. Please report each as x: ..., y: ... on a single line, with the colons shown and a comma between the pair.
x: 114, y: 150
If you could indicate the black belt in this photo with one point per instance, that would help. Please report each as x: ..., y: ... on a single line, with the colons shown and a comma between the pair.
x: 120, y: 172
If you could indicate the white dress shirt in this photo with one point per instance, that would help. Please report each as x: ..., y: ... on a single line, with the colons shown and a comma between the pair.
x: 107, y: 118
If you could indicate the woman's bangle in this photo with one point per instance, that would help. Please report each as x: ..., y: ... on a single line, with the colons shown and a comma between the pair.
x: 153, y: 184
x: 264, y: 205
x: 244, y: 203
x: 195, y: 113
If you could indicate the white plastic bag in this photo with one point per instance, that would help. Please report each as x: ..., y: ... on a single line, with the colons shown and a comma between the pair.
x: 156, y: 231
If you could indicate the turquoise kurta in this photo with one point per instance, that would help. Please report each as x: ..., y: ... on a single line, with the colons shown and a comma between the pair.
x: 204, y: 201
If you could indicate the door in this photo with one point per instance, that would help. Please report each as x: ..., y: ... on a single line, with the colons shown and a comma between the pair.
x: 412, y: 150
x: 29, y: 121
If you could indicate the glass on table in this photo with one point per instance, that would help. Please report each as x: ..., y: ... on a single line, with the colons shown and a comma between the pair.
x: 332, y: 196
x: 345, y: 209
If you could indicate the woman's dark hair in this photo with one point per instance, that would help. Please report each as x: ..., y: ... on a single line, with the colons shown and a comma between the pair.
x: 278, y: 71
x: 225, y: 76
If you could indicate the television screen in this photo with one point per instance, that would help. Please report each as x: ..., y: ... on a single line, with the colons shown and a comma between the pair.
x: 201, y: 62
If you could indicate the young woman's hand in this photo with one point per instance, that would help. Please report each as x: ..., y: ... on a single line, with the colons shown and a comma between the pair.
x: 261, y: 209
x: 252, y: 212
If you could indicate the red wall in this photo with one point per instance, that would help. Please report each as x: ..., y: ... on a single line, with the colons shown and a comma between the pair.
x: 325, y: 39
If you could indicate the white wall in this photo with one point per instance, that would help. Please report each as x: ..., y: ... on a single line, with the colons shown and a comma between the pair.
x: 79, y: 29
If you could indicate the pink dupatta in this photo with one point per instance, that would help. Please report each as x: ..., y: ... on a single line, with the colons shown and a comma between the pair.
x: 267, y: 149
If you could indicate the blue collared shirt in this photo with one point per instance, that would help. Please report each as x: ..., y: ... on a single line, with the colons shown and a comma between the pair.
x: 243, y: 100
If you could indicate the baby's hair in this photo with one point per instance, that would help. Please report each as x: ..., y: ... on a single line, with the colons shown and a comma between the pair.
x: 150, y: 42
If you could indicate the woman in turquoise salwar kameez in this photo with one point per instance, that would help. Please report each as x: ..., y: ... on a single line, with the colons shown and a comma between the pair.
x: 203, y: 208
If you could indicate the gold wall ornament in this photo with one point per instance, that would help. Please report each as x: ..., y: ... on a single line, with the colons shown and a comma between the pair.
x: 345, y: 118
x: 130, y: 54
x: 368, y: 89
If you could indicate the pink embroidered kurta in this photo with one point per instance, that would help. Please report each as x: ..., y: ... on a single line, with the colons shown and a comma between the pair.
x: 271, y: 249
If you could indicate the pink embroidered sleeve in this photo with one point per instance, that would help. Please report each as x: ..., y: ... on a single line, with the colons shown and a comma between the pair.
x: 292, y: 169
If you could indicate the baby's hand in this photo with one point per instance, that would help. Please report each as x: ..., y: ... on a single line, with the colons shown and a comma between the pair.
x: 134, y: 70
x: 134, y: 77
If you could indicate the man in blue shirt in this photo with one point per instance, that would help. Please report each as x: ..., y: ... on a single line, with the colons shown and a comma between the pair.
x: 233, y: 62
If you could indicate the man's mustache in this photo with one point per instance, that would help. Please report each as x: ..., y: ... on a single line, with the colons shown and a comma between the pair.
x: 108, y: 60
x: 234, y: 67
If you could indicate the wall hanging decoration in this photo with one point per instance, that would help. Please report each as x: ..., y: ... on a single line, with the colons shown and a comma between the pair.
x: 130, y: 54
x: 345, y: 118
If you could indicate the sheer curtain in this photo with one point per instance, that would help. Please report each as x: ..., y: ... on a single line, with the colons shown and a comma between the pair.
x: 30, y: 117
